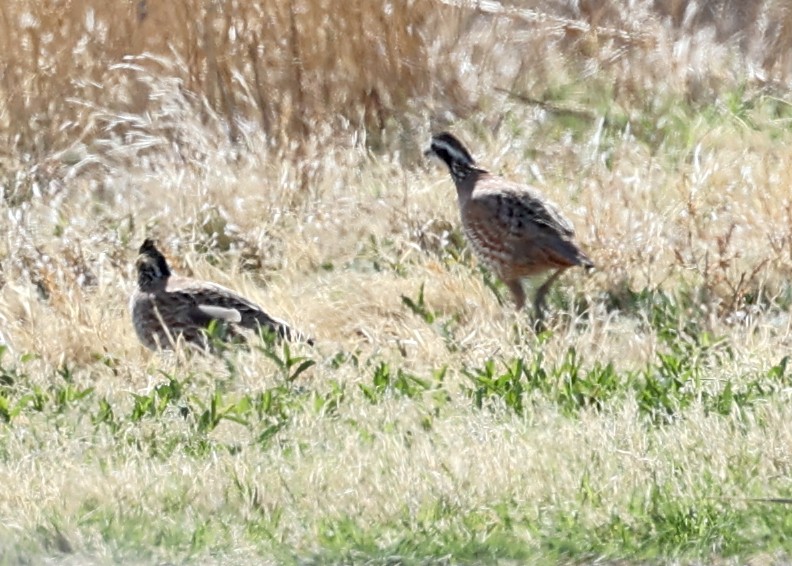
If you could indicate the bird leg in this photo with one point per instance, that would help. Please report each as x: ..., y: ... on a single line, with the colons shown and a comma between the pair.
x: 540, y: 296
x: 518, y: 293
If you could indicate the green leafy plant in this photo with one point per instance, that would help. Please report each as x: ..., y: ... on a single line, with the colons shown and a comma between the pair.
x: 290, y: 366
x: 385, y: 381
x: 419, y: 307
x: 155, y: 403
x: 508, y: 385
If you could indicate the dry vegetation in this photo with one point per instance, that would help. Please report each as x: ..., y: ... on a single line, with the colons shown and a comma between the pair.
x: 275, y: 147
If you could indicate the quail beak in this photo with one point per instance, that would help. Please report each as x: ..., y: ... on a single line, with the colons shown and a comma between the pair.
x: 428, y: 152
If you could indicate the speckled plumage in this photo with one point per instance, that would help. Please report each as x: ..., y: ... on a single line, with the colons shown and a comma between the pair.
x: 512, y: 229
x: 167, y: 308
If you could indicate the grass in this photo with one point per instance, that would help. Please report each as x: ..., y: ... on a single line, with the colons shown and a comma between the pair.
x: 430, y: 423
x: 269, y: 486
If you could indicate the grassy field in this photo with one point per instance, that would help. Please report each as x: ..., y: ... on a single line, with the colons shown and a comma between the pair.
x: 275, y: 147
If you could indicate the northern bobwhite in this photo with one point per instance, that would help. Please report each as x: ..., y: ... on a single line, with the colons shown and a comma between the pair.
x: 166, y: 307
x: 512, y: 228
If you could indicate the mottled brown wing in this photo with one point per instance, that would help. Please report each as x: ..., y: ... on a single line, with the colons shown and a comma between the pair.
x: 521, y: 203
x: 518, y: 232
x: 162, y: 319
x: 213, y: 296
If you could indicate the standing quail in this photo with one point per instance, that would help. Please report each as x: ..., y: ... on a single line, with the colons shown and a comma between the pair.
x: 512, y: 228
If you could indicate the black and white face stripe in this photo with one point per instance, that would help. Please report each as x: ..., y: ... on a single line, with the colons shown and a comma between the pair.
x: 453, y: 153
x: 151, y: 265
x: 450, y: 149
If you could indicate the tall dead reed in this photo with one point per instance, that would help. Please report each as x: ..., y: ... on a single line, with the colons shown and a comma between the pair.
x: 300, y: 68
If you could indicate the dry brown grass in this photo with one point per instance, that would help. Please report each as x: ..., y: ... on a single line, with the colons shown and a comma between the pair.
x: 275, y: 147
x: 78, y: 71
x: 292, y: 67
